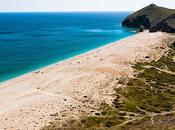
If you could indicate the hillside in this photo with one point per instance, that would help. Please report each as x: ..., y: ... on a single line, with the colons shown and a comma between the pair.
x: 152, y: 17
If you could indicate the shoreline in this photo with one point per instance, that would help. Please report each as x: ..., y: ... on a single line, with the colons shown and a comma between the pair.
x: 62, y: 60
x: 76, y: 86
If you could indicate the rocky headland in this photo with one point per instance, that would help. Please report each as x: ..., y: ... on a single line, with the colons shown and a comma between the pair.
x: 152, y: 17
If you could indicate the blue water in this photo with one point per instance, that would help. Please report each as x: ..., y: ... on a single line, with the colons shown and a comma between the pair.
x: 29, y: 41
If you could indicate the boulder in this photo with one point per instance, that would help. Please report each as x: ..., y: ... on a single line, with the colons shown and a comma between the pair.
x: 141, y: 28
x: 153, y: 29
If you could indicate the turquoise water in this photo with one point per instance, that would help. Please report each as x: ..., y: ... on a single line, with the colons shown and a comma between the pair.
x: 29, y: 41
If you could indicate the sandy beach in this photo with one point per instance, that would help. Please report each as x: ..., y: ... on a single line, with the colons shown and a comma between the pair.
x: 76, y: 86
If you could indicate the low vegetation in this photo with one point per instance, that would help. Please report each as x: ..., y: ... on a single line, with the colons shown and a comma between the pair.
x: 146, y: 102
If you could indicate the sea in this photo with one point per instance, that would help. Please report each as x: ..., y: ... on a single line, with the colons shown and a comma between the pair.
x: 29, y: 41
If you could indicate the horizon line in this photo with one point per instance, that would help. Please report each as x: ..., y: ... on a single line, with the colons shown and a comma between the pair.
x: 65, y: 11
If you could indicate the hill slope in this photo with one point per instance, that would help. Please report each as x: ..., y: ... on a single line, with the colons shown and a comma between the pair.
x: 150, y: 16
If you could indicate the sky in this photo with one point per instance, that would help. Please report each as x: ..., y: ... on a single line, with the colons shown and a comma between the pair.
x: 78, y: 5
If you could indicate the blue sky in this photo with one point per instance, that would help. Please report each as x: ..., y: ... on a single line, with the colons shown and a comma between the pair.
x: 78, y: 5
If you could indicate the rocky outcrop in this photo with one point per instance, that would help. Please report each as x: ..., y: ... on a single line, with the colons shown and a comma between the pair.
x: 152, y: 17
x: 136, y: 22
x: 174, y: 44
x: 166, y: 25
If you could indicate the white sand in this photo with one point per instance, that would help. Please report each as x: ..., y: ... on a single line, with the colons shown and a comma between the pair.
x: 28, y: 102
